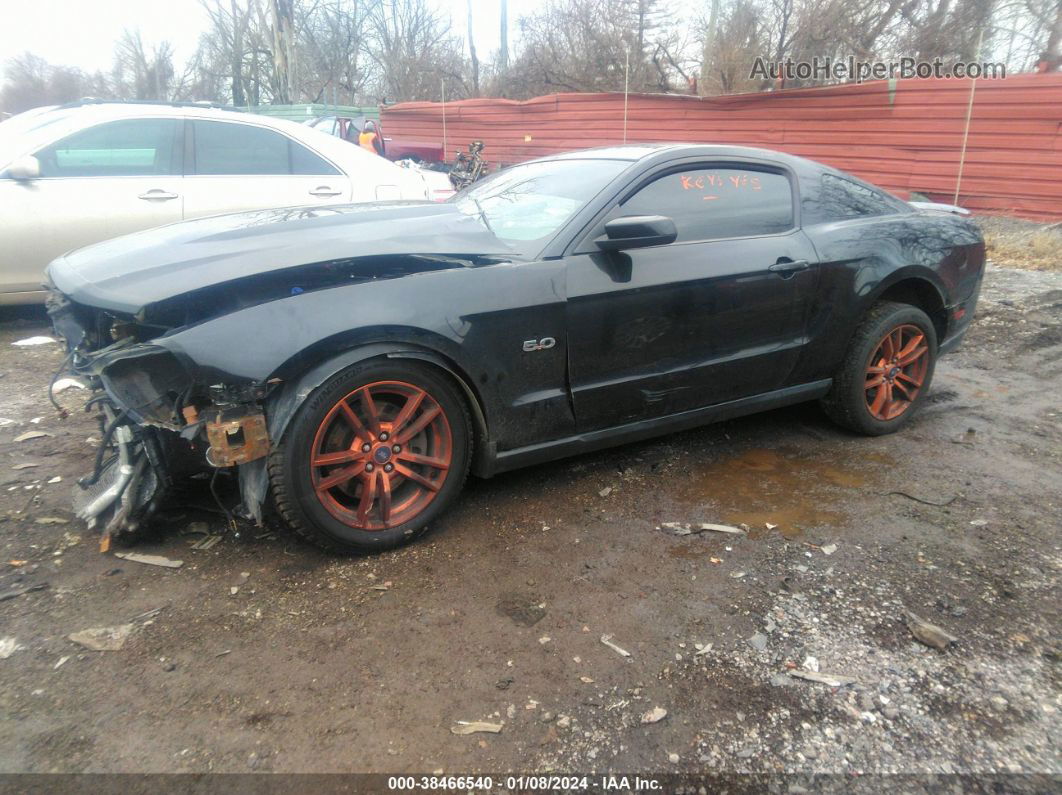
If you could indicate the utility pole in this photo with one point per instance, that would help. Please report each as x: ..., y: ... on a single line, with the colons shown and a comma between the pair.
x: 472, y: 53
x: 503, y: 56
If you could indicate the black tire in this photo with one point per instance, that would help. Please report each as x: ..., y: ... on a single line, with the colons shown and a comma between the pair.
x: 314, y: 512
x: 850, y: 401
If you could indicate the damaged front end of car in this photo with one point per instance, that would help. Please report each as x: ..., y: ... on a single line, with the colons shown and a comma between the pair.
x: 159, y: 424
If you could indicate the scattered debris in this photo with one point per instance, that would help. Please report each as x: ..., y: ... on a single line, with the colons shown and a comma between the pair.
x: 223, y: 653
x: 829, y: 549
x: 833, y: 680
x: 685, y: 529
x: 30, y: 465
x: 523, y: 609
x: 811, y: 664
x: 150, y: 560
x: 737, y: 575
x: 56, y: 479
x: 148, y: 615
x: 64, y: 384
x: 607, y: 640
x: 103, y: 638
x: 770, y: 526
x: 925, y: 502
x: 715, y: 560
x: 51, y: 520
x: 705, y: 649
x: 504, y: 684
x: 235, y: 589
x: 929, y: 634
x: 673, y: 758
x: 61, y: 662
x: 605, y: 491
x: 474, y: 726
x: 16, y: 592
x: 34, y: 341
x: 979, y: 522
x: 384, y: 586
x: 655, y: 715
x: 206, y: 542
x: 25, y: 437
x: 758, y: 641
x: 545, y: 639
x: 9, y: 646
x: 586, y: 680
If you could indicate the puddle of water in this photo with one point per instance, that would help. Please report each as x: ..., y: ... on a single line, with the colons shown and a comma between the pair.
x: 787, y: 489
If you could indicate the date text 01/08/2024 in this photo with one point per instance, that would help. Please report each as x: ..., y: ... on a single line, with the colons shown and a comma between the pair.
x: 523, y: 783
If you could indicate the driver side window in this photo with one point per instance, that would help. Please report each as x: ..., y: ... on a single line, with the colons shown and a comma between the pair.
x: 714, y: 203
x: 127, y: 148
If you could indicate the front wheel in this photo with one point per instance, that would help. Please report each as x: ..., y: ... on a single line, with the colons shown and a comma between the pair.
x: 886, y: 372
x: 372, y: 456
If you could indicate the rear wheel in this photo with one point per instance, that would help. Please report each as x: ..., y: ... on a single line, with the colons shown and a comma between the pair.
x: 372, y: 456
x: 886, y: 372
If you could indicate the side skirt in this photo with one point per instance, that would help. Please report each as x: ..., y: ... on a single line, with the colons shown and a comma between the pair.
x: 647, y: 429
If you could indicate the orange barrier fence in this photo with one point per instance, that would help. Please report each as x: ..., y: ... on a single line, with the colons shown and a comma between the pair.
x: 906, y: 136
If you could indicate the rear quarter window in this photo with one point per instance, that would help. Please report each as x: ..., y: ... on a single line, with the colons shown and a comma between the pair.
x: 841, y: 199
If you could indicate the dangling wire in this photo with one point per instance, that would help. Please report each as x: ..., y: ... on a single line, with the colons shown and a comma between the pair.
x: 63, y: 413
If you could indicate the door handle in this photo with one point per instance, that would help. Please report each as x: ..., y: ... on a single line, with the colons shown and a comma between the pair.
x: 157, y: 193
x: 324, y: 190
x: 786, y: 267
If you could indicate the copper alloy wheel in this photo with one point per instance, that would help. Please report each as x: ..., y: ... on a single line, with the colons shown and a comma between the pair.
x: 896, y: 372
x: 380, y: 455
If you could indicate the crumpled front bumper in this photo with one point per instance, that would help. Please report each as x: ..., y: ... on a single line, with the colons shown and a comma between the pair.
x: 157, y: 423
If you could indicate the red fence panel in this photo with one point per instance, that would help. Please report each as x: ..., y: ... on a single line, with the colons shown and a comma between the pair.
x: 905, y: 136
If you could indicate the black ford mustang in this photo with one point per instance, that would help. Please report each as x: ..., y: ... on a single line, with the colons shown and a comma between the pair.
x: 357, y: 362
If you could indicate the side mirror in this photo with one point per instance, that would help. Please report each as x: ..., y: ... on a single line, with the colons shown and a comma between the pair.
x: 637, y: 231
x: 25, y: 168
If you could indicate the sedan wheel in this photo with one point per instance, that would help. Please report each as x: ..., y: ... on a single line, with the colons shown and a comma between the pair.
x: 372, y: 456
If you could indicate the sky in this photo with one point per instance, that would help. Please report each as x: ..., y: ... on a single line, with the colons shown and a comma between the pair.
x: 82, y: 33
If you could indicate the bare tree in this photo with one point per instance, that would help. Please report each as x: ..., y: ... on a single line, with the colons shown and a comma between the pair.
x: 333, y: 46
x: 415, y: 52
x: 30, y: 82
x: 283, y: 20
x: 142, y: 74
x: 594, y: 45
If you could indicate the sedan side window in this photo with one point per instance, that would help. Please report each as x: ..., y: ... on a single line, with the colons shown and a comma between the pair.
x: 227, y: 149
x: 129, y: 148
x: 713, y: 203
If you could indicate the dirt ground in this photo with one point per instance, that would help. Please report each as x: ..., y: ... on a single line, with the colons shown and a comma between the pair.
x: 266, y: 655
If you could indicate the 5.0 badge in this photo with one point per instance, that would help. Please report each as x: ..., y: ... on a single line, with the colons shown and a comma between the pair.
x: 539, y: 345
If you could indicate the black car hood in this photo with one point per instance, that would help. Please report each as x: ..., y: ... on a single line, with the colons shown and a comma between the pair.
x: 227, y: 253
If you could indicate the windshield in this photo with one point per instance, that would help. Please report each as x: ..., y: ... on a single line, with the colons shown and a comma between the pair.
x: 525, y: 205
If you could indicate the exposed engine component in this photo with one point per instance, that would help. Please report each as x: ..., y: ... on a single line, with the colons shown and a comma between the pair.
x: 236, y: 438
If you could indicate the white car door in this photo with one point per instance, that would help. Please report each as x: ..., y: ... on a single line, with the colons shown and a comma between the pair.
x: 236, y: 166
x: 100, y: 182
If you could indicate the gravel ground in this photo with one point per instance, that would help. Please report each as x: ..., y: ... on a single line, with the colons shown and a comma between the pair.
x: 266, y: 655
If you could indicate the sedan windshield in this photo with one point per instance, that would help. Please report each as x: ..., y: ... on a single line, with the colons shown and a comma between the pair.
x: 526, y: 204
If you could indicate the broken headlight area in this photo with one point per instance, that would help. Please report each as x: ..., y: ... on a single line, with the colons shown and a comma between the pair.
x: 159, y: 427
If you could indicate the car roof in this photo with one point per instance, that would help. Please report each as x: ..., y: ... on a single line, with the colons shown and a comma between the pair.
x: 668, y: 151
